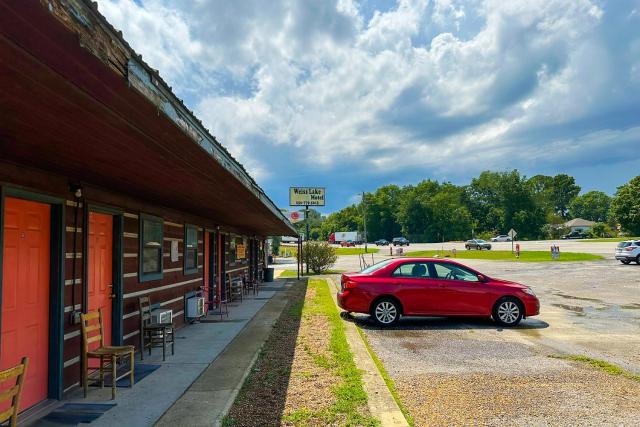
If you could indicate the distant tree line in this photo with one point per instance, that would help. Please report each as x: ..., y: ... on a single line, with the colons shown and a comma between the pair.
x: 491, y: 204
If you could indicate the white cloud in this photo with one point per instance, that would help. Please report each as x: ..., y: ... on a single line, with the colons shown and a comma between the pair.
x: 383, y: 94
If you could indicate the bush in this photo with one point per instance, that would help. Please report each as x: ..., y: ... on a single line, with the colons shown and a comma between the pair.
x: 319, y: 256
x: 601, y: 229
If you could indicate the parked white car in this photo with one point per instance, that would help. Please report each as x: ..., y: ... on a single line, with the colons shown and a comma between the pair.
x: 501, y: 238
x: 628, y: 251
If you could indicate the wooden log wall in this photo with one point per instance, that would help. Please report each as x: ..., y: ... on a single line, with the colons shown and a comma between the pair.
x: 168, y: 292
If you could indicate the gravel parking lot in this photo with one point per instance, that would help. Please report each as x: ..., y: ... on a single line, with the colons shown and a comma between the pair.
x: 468, y: 371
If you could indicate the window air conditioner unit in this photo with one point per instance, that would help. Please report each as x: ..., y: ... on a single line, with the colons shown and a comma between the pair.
x: 162, y: 315
x: 195, y: 307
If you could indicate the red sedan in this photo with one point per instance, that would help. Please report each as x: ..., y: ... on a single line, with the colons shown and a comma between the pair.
x: 433, y: 287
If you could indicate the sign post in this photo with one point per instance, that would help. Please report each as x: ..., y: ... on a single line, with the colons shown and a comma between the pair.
x: 512, y: 233
x: 306, y: 217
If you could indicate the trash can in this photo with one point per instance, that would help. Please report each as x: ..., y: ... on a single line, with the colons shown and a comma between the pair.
x: 268, y: 274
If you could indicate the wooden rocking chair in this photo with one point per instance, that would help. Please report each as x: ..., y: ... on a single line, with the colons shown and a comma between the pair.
x: 18, y: 373
x: 92, y: 332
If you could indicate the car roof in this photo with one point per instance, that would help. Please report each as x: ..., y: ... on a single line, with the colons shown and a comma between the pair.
x: 424, y: 259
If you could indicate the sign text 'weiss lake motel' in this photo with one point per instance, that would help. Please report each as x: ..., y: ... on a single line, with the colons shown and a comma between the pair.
x: 306, y: 196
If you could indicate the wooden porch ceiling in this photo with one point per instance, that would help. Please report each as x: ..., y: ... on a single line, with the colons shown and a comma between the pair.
x: 63, y: 110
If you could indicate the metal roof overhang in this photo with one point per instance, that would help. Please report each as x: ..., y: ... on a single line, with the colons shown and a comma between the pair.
x: 63, y: 110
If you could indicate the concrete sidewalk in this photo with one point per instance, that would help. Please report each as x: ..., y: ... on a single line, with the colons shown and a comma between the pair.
x: 197, y: 346
x: 210, y: 397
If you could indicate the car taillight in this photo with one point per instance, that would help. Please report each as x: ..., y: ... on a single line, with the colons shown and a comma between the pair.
x: 350, y: 284
x: 630, y: 248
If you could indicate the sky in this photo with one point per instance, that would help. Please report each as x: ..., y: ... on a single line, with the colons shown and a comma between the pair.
x: 352, y: 95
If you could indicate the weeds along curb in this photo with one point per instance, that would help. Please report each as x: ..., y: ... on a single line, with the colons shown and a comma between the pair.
x: 381, y: 370
x: 603, y: 365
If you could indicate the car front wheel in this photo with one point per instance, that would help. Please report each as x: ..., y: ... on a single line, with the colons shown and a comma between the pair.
x: 638, y: 260
x: 386, y: 312
x: 507, y: 311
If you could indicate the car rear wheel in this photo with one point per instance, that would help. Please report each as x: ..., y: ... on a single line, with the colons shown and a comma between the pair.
x: 625, y: 261
x: 386, y: 312
x: 507, y: 311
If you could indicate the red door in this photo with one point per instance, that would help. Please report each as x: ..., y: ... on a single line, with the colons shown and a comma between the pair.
x: 464, y: 293
x: 25, y: 294
x: 206, y: 294
x: 100, y: 268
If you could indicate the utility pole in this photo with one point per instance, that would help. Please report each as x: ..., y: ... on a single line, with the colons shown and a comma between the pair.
x: 364, y: 220
x: 306, y: 218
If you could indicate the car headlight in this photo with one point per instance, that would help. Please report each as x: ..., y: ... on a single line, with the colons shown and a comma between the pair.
x: 529, y: 291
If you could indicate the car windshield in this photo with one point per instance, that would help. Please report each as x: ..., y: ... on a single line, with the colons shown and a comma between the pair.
x: 377, y: 266
x: 624, y: 244
x: 480, y: 241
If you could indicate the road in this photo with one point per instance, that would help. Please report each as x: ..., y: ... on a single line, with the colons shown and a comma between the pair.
x: 460, y: 371
x: 605, y: 249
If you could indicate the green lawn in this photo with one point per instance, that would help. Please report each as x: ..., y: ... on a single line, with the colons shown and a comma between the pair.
x: 525, y: 256
x: 355, y: 251
x: 288, y: 274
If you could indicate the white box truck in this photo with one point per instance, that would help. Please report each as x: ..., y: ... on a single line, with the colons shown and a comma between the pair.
x: 343, y: 236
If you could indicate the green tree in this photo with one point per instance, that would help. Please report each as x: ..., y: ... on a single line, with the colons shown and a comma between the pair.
x: 414, y: 212
x: 499, y: 201
x: 625, y: 206
x: 563, y: 191
x: 381, y: 209
x: 593, y: 205
x: 449, y: 217
x: 540, y: 187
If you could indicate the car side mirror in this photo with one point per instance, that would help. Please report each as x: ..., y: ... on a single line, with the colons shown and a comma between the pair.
x: 482, y: 278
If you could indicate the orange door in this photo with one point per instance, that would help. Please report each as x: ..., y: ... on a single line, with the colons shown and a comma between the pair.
x: 25, y: 294
x: 100, y: 268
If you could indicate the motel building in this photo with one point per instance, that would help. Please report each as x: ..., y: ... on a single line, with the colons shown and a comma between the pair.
x: 111, y: 189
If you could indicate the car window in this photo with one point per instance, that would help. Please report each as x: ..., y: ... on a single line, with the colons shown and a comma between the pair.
x: 377, y: 266
x: 454, y: 272
x: 412, y: 269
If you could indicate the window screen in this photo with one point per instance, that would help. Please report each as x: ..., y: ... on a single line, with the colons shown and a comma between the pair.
x: 191, y: 249
x: 151, y: 248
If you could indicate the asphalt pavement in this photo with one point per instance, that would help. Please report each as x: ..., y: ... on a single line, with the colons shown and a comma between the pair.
x: 460, y: 371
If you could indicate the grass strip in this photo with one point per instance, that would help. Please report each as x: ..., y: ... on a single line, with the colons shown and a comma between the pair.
x: 385, y: 376
x: 349, y: 393
x: 603, y: 365
x: 525, y: 256
x: 383, y: 372
x: 262, y: 398
x: 290, y: 274
x: 356, y: 251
